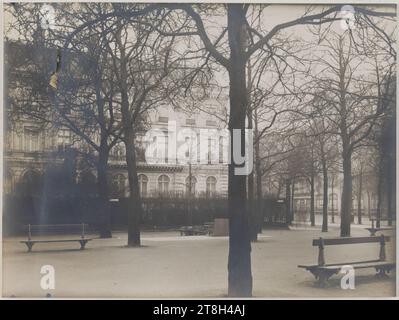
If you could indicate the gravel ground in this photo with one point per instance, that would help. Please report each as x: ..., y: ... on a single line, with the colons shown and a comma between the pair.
x: 171, y: 266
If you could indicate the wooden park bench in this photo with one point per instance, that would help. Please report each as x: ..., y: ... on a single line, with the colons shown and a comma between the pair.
x: 209, y: 226
x: 46, y: 229
x: 323, y: 271
x: 193, y: 230
x: 373, y: 229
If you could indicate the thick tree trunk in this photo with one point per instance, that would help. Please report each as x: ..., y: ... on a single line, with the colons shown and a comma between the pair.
x: 190, y: 195
x: 251, y: 209
x: 368, y: 204
x: 324, y: 227
x: 346, y: 199
x: 359, y: 197
x: 332, y: 200
x: 390, y: 204
x: 259, y: 204
x: 390, y: 193
x: 346, y: 202
x: 312, y: 214
x: 253, y: 219
x: 134, y: 203
x: 239, y: 264
x: 292, y: 202
x: 102, y: 164
x: 379, y: 196
x: 258, y: 175
x: 288, y: 201
x: 102, y: 185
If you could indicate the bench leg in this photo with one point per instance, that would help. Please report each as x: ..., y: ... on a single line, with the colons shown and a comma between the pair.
x: 322, y: 277
x: 382, y: 272
x: 82, y: 244
x: 29, y: 245
x: 322, y: 280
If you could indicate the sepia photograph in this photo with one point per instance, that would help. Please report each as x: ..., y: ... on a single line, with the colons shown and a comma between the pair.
x: 176, y: 150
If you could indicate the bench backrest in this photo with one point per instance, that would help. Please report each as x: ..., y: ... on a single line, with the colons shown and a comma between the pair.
x: 322, y: 242
x: 349, y: 240
x: 375, y: 220
x: 56, y: 229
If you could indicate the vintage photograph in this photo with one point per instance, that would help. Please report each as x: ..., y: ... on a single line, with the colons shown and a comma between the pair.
x: 199, y: 150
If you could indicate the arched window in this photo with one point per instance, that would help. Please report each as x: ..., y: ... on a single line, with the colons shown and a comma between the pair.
x: 163, y: 184
x: 193, y: 184
x: 210, y: 186
x: 143, y: 182
x: 118, y: 185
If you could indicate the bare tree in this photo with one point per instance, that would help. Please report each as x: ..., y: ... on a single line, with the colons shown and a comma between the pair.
x: 326, y: 153
x: 82, y: 100
x: 270, y: 86
x: 353, y: 107
x: 238, y: 30
x: 147, y: 72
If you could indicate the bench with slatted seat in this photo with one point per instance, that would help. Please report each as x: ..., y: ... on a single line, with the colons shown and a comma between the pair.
x: 209, y: 226
x: 193, y: 230
x: 40, y: 230
x: 323, y: 271
x: 373, y: 229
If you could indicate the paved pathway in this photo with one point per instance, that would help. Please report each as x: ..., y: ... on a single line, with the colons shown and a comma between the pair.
x: 172, y: 266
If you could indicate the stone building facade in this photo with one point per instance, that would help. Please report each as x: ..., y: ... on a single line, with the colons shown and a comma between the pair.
x: 31, y: 146
x: 30, y: 149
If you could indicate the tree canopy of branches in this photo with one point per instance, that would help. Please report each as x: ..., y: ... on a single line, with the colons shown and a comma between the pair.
x: 230, y: 35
